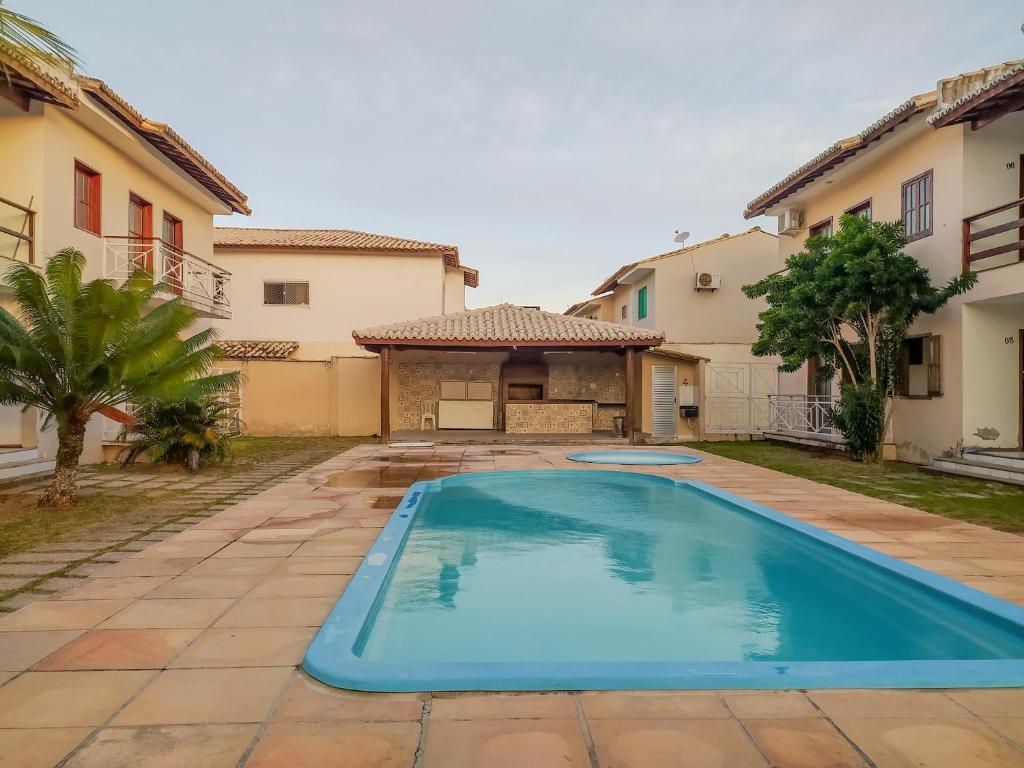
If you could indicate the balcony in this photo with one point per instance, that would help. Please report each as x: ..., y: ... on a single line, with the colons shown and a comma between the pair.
x: 17, y: 232
x: 994, y: 238
x: 198, y: 282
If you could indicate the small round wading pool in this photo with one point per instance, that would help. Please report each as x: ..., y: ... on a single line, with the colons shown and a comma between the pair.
x: 642, y: 458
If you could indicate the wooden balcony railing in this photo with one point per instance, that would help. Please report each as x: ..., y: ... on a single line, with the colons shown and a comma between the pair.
x: 195, y: 279
x: 17, y: 231
x: 993, y: 233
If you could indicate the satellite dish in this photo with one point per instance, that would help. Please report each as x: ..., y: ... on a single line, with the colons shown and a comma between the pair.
x: 681, y: 236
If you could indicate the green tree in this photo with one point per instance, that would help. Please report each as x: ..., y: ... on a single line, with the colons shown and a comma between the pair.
x: 850, y: 299
x: 76, y: 347
x: 25, y: 37
x: 179, y: 432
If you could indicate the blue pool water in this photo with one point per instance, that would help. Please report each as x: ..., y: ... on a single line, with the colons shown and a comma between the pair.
x: 598, y: 579
x: 640, y: 458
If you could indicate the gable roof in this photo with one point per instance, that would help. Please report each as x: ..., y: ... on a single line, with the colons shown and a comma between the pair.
x: 36, y: 80
x: 506, y: 325
x: 257, y: 350
x: 612, y: 281
x: 260, y: 238
x: 985, y: 94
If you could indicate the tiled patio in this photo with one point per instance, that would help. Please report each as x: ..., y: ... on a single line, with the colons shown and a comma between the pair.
x: 186, y: 653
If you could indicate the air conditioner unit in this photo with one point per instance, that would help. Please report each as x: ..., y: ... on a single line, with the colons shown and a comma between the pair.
x: 791, y: 222
x: 708, y: 281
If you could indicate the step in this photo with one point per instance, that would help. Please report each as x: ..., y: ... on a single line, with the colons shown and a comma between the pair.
x: 19, y: 470
x: 982, y: 470
x: 999, y: 458
x: 11, y: 455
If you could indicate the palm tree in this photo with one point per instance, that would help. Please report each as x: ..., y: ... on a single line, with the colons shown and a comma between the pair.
x: 27, y: 37
x: 78, y: 347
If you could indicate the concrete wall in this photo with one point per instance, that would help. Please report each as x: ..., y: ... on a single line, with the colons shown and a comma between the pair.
x: 992, y: 373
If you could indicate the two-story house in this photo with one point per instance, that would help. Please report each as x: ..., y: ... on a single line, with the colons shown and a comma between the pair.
x: 82, y: 168
x: 950, y: 164
x: 297, y: 297
x: 694, y: 295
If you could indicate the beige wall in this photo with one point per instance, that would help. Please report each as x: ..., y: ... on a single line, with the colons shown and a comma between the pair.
x: 38, y: 150
x: 348, y: 290
x: 992, y: 373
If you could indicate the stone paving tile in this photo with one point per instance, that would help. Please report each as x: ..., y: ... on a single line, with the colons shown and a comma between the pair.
x: 119, y: 649
x: 803, y: 743
x: 191, y: 746
x: 65, y: 699
x: 666, y: 743
x: 480, y: 742
x: 38, y: 747
x: 339, y: 745
x: 931, y: 742
x: 20, y: 650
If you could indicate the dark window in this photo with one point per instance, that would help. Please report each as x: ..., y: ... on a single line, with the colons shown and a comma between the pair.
x: 917, y: 206
x: 915, y: 351
x: 821, y: 228
x: 622, y: 314
x: 87, y: 198
x: 286, y: 293
x: 861, y: 209
x: 921, y: 367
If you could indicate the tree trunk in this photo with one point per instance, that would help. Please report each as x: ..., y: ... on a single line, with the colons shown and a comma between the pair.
x: 63, y: 492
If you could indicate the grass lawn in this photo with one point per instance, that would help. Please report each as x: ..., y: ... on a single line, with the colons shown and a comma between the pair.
x: 996, y: 505
x: 24, y: 525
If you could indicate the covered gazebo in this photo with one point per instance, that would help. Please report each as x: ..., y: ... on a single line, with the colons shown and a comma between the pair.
x: 509, y: 369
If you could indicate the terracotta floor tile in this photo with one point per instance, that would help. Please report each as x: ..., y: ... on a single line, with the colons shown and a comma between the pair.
x: 181, y: 746
x: 174, y: 549
x: 61, y: 614
x: 199, y: 696
x: 991, y: 702
x: 236, y: 566
x: 1011, y: 727
x: 886, y: 704
x: 120, y: 649
x: 38, y: 747
x: 308, y: 701
x: 930, y: 742
x: 240, y: 549
x: 301, y: 586
x: 338, y: 745
x: 657, y: 743
x: 233, y: 647
x: 803, y: 743
x: 775, y: 705
x: 319, y: 565
x: 318, y: 548
x: 643, y: 706
x: 277, y: 612
x: 134, y: 566
x: 462, y: 707
x: 204, y: 585
x: 128, y: 587
x: 168, y: 613
x: 505, y: 744
x: 20, y: 650
x: 58, y: 699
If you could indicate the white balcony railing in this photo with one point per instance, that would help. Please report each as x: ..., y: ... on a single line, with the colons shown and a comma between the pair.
x: 805, y: 414
x: 199, y: 282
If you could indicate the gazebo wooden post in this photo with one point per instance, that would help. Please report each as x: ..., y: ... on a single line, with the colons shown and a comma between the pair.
x: 385, y: 393
x: 630, y: 394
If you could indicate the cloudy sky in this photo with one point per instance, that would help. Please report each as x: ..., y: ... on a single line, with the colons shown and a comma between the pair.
x: 551, y: 140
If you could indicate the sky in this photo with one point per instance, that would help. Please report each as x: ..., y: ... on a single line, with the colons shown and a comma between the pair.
x: 552, y: 141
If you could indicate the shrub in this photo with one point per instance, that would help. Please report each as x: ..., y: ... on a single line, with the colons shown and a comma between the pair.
x: 187, y: 432
x: 860, y: 416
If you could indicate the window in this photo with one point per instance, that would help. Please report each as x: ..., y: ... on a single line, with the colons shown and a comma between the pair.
x: 624, y: 310
x: 821, y: 228
x: 172, y: 232
x: 641, y: 304
x: 861, y: 209
x: 917, y: 206
x: 286, y: 293
x: 87, y: 198
x: 921, y: 367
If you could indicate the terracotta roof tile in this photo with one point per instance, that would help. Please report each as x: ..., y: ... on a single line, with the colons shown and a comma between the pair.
x: 992, y: 78
x: 328, y: 239
x: 257, y: 350
x: 516, y: 326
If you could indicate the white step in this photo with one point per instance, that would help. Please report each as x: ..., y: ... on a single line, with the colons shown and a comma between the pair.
x: 1008, y: 459
x: 982, y: 470
x: 17, y: 470
x: 11, y: 455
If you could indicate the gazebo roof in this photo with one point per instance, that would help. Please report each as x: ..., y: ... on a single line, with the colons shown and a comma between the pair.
x: 506, y: 325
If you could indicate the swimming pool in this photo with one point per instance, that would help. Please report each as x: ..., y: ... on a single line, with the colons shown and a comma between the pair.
x: 638, y: 458
x: 596, y: 579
